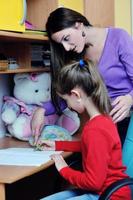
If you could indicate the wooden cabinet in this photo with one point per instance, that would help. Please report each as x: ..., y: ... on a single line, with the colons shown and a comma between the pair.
x: 18, y: 46
x: 38, y: 10
x: 12, y: 15
x: 16, y: 43
x: 99, y: 13
x: 104, y: 13
x: 73, y: 4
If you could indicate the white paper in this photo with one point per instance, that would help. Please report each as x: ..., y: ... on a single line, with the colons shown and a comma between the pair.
x: 24, y: 156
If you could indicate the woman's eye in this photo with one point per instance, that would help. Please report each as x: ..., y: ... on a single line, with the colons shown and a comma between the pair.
x: 66, y: 38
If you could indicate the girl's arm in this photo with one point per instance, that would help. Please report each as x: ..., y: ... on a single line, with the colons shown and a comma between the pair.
x: 95, y: 164
x: 73, y: 146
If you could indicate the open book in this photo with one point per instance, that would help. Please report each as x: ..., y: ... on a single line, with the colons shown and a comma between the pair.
x: 24, y: 156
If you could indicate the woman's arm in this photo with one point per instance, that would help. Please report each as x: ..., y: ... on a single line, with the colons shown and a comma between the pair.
x: 123, y: 104
x: 37, y: 123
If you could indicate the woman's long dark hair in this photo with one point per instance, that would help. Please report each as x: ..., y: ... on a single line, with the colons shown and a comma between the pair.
x: 58, y: 20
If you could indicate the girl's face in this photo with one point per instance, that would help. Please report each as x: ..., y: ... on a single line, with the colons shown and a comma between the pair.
x: 71, y: 38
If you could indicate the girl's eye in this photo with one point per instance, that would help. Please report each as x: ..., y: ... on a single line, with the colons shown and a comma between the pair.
x: 66, y: 38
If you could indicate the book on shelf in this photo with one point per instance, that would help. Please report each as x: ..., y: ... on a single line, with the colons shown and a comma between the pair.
x: 29, y: 31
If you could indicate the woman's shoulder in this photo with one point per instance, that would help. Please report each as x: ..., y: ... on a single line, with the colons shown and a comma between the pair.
x: 117, y: 32
x: 117, y: 37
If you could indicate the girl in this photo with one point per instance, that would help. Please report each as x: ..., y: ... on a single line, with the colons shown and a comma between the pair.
x: 82, y: 88
x: 111, y: 49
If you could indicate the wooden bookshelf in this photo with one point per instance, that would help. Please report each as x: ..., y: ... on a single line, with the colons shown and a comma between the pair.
x: 15, y: 36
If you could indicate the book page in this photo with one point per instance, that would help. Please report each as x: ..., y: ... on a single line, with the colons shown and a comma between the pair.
x: 24, y: 156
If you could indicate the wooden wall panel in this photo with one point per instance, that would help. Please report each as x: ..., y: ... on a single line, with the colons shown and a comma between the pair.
x: 99, y: 12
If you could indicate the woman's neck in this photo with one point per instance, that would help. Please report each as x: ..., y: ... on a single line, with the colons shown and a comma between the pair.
x: 95, y: 41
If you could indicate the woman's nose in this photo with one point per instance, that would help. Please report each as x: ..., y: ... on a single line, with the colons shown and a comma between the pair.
x: 66, y: 46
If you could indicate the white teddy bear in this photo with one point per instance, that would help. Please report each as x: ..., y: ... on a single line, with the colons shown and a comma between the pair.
x: 30, y: 92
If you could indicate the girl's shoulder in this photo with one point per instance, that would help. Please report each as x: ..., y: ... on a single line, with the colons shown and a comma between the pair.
x: 101, y: 122
x: 102, y: 126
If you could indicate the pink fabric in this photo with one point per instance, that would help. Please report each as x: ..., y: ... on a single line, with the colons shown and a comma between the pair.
x: 67, y: 123
x: 23, y: 107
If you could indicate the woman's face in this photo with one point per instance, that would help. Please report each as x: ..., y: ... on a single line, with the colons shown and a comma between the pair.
x: 71, y: 38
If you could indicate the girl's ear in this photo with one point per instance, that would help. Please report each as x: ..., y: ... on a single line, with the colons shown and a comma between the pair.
x: 76, y: 93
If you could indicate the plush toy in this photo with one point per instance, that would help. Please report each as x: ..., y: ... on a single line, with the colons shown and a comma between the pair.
x: 30, y: 92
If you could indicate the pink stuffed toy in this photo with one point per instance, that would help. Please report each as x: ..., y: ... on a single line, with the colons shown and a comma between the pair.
x: 30, y: 92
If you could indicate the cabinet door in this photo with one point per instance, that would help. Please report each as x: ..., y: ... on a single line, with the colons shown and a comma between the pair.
x: 39, y: 10
x: 72, y: 4
x: 105, y: 13
x: 100, y: 12
x: 11, y: 15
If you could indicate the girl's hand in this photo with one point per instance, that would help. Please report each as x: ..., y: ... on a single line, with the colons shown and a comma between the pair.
x: 45, y: 145
x: 59, y: 161
x: 122, y: 106
x: 37, y: 123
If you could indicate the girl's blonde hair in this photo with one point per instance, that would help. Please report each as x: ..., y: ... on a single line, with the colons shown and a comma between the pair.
x: 84, y: 74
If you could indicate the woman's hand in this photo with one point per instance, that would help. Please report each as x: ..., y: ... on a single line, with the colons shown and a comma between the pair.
x: 59, y: 161
x: 37, y: 123
x: 45, y: 145
x: 122, y: 106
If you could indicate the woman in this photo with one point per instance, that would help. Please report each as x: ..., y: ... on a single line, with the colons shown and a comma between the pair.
x: 111, y: 49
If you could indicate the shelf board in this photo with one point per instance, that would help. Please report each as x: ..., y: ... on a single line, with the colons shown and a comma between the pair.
x: 13, y: 36
x: 24, y: 70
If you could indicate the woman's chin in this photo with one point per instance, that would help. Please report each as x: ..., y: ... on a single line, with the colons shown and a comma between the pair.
x: 79, y: 51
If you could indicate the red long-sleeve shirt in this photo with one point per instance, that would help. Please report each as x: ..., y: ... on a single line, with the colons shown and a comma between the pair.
x: 101, y: 158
